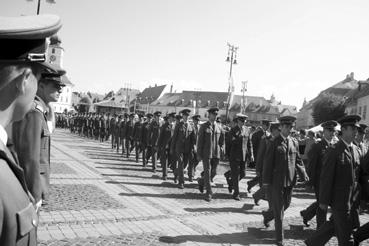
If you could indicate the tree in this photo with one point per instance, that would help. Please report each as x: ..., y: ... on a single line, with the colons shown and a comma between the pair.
x: 328, y: 107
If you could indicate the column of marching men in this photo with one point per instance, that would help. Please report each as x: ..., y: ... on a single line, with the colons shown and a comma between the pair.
x: 276, y: 151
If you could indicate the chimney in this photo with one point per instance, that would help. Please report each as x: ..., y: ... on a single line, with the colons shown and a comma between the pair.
x: 171, y: 88
x: 352, y: 75
x: 155, y: 85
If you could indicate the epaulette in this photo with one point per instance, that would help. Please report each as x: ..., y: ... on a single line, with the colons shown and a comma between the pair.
x: 39, y: 108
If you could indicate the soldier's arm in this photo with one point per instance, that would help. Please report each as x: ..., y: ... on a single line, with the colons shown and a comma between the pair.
x: 327, y: 177
x: 250, y: 150
x: 200, y: 142
x: 299, y: 163
x: 269, y: 164
x: 30, y: 150
x: 313, y: 158
x: 221, y: 138
x: 174, y: 139
x: 260, y: 156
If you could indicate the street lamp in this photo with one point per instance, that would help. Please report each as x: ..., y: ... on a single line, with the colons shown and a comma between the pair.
x: 243, y: 90
x: 39, y: 4
x: 232, y: 59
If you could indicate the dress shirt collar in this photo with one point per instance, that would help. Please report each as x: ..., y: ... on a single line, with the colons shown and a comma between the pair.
x: 3, y: 135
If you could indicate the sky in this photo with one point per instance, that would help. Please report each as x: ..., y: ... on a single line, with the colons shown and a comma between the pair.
x: 290, y: 48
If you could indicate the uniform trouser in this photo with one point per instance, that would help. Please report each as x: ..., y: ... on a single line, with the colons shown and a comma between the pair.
x: 183, y: 159
x: 210, y: 170
x: 254, y: 181
x: 341, y: 224
x: 122, y: 142
x: 192, y: 164
x: 259, y: 194
x: 112, y: 140
x: 281, y: 200
x: 314, y: 210
x: 138, y: 149
x: 362, y: 233
x: 144, y: 153
x: 128, y: 145
x: 238, y: 172
x: 154, y: 156
x: 164, y: 160
x: 117, y: 142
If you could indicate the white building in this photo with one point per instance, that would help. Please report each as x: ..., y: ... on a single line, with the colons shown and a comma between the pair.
x: 55, y: 55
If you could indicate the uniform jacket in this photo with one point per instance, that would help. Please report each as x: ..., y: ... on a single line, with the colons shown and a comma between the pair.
x: 315, y: 157
x: 240, y: 144
x: 122, y: 128
x: 165, y: 135
x: 153, y: 133
x: 31, y: 139
x: 210, y: 141
x: 112, y: 125
x: 18, y: 217
x: 184, y: 139
x: 260, y: 156
x: 339, y: 177
x: 129, y: 129
x: 282, y: 162
x: 137, y: 131
x: 256, y: 138
x: 145, y: 133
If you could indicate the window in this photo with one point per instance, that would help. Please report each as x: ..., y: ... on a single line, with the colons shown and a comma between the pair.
x: 360, y: 110
x: 53, y: 51
x: 364, y: 112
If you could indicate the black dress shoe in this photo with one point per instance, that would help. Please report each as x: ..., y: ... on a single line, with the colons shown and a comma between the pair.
x: 256, y: 201
x: 181, y: 186
x: 208, y: 198
x: 201, y: 187
x: 304, y: 220
x: 190, y: 179
x: 175, y: 179
x: 237, y: 197
x: 265, y: 222
x: 248, y: 187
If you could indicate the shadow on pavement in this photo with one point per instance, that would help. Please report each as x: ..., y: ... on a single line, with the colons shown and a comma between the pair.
x: 131, y: 176
x: 222, y: 210
x: 185, y: 195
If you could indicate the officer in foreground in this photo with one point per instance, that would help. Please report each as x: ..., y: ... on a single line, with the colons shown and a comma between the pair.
x: 31, y: 137
x: 339, y: 187
x: 280, y: 173
x: 22, y: 61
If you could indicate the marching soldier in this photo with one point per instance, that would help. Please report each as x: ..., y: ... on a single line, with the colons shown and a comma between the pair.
x: 340, y: 189
x: 102, y: 126
x: 144, y: 139
x: 96, y: 129
x: 264, y: 143
x: 129, y: 134
x: 182, y: 145
x: 240, y: 150
x: 122, y: 130
x: 112, y: 125
x: 316, y: 157
x: 153, y: 138
x: 256, y: 138
x: 164, y: 143
x: 279, y: 174
x: 22, y: 60
x: 117, y: 133
x: 193, y: 162
x: 209, y: 145
x: 360, y: 140
x: 137, y: 133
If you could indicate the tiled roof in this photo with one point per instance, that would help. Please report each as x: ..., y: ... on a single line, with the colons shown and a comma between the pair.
x: 150, y: 94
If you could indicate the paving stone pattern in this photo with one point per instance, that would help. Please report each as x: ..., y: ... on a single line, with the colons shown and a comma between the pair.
x: 99, y: 197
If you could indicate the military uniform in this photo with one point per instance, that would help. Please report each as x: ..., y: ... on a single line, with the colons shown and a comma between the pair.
x: 112, y: 125
x: 280, y: 173
x: 209, y: 145
x: 240, y: 150
x: 193, y: 162
x: 23, y: 42
x: 153, y: 139
x: 32, y: 141
x: 164, y: 145
x: 182, y: 145
x: 144, y: 139
x: 137, y: 132
x: 129, y: 135
x: 316, y: 157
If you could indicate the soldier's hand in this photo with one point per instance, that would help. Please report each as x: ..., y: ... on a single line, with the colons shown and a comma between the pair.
x: 323, y: 207
x: 306, y: 178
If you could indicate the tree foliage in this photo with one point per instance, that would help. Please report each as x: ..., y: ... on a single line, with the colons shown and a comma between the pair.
x: 328, y: 107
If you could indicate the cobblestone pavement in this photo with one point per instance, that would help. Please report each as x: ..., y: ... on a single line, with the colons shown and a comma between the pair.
x: 99, y: 197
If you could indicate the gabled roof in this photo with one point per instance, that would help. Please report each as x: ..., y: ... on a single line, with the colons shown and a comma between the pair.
x: 254, y: 104
x: 150, y: 94
x: 361, y: 91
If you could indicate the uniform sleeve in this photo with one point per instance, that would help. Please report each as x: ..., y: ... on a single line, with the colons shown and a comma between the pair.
x: 299, y: 163
x: 312, y: 157
x: 221, y: 138
x: 200, y: 142
x: 327, y: 177
x: 269, y: 163
x: 29, y: 151
x: 174, y: 139
x: 260, y: 156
